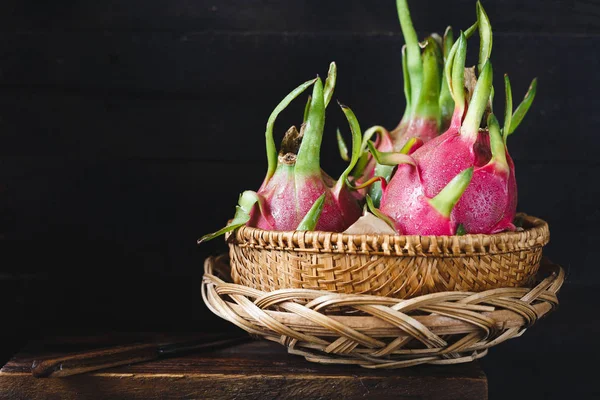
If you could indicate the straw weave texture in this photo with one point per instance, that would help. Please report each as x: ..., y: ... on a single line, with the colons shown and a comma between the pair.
x: 386, y: 265
x: 381, y: 332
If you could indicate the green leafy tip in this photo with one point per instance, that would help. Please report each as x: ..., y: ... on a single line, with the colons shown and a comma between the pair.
x: 307, y: 108
x: 413, y: 50
x: 245, y: 205
x: 454, y: 71
x: 447, y: 198
x: 478, y: 103
x: 469, y: 32
x: 508, y: 107
x: 308, y: 157
x: 310, y: 220
x: 446, y: 102
x: 497, y: 144
x: 485, y: 36
x: 270, y: 142
x: 448, y: 41
x: 428, y: 105
x: 330, y: 83
x: 522, y: 109
x: 406, y: 79
x: 342, y: 147
x: 460, y: 230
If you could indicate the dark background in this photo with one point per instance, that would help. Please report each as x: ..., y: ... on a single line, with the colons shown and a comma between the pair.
x: 128, y: 129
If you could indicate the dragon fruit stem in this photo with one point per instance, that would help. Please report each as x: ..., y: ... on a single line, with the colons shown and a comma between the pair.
x: 497, y: 145
x: 308, y: 158
x: 447, y: 198
x: 311, y: 219
x: 428, y: 105
x: 485, y: 36
x: 478, y: 103
x: 413, y: 51
x: 270, y: 142
x: 522, y: 108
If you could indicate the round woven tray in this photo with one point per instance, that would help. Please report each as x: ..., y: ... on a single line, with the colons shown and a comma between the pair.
x: 381, y: 332
x: 386, y: 265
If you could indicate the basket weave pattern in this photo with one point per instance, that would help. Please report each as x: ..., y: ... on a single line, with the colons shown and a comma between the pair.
x: 381, y: 332
x: 386, y: 265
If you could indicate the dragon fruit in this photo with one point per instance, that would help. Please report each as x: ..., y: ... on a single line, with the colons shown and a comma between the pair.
x: 488, y: 204
x: 296, y: 193
x: 429, y: 104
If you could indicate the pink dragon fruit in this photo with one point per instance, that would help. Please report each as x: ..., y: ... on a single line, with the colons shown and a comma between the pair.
x: 488, y: 204
x: 296, y: 194
x: 429, y: 104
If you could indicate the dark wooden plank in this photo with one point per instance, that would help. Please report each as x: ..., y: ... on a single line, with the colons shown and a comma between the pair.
x: 553, y: 16
x: 249, y: 371
x: 208, y: 97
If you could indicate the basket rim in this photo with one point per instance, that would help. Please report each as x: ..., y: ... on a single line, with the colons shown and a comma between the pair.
x: 535, y: 235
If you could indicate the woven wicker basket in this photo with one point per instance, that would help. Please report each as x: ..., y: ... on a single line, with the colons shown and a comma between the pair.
x: 381, y: 332
x: 386, y: 265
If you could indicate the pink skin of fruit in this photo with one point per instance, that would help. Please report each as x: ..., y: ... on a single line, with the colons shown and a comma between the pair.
x: 414, y: 213
x: 423, y: 128
x: 485, y: 202
x: 287, y: 200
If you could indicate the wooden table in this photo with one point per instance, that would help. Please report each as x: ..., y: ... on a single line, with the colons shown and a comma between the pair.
x: 252, y: 370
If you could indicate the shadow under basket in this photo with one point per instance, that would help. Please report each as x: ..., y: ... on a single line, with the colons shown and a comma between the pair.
x: 381, y: 332
x: 400, y: 266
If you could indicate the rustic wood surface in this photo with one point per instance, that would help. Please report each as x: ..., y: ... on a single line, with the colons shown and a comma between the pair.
x: 254, y: 370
